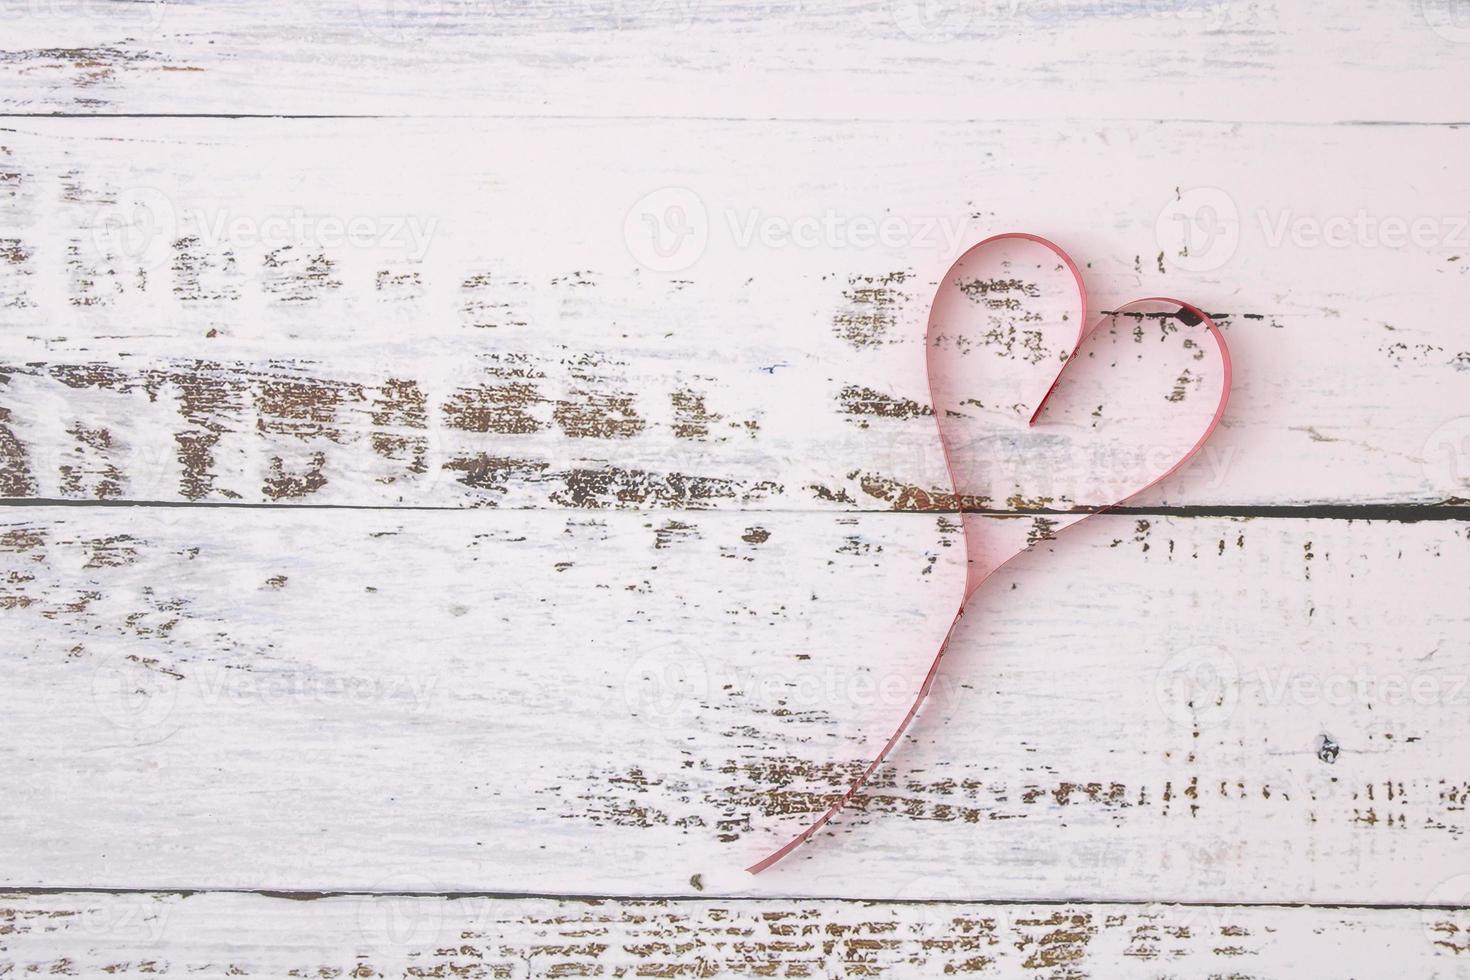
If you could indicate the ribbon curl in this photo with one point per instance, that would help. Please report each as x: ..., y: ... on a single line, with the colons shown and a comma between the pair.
x: 976, y: 574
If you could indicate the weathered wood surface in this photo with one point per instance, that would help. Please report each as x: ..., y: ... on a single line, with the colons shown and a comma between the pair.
x: 1229, y: 60
x: 676, y: 257
x: 445, y: 313
x: 151, y: 935
x: 1184, y: 709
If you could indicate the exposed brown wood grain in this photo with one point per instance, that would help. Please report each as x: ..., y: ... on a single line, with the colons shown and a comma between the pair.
x: 1231, y: 60
x: 249, y: 698
x: 1137, y: 693
x: 365, y: 936
x: 476, y: 374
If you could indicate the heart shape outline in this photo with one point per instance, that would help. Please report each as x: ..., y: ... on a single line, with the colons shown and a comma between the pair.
x: 973, y: 579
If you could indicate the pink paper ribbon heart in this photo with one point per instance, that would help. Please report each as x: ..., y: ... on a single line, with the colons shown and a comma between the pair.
x: 978, y: 570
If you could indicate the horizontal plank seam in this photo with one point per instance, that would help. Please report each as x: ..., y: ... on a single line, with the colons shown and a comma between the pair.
x: 1450, y: 510
x: 307, y: 895
x: 583, y: 117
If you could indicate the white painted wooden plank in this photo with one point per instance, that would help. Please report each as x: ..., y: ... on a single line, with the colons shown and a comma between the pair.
x: 182, y: 314
x: 1185, y: 709
x: 150, y: 935
x: 1226, y: 60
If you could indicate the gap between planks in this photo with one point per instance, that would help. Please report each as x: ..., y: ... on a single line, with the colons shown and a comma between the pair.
x: 671, y: 117
x: 311, y: 895
x: 1451, y: 510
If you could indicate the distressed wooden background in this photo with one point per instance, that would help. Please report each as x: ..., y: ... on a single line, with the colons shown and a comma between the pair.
x: 470, y: 488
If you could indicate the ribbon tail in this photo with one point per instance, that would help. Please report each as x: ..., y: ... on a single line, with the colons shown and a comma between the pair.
x: 872, y: 767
